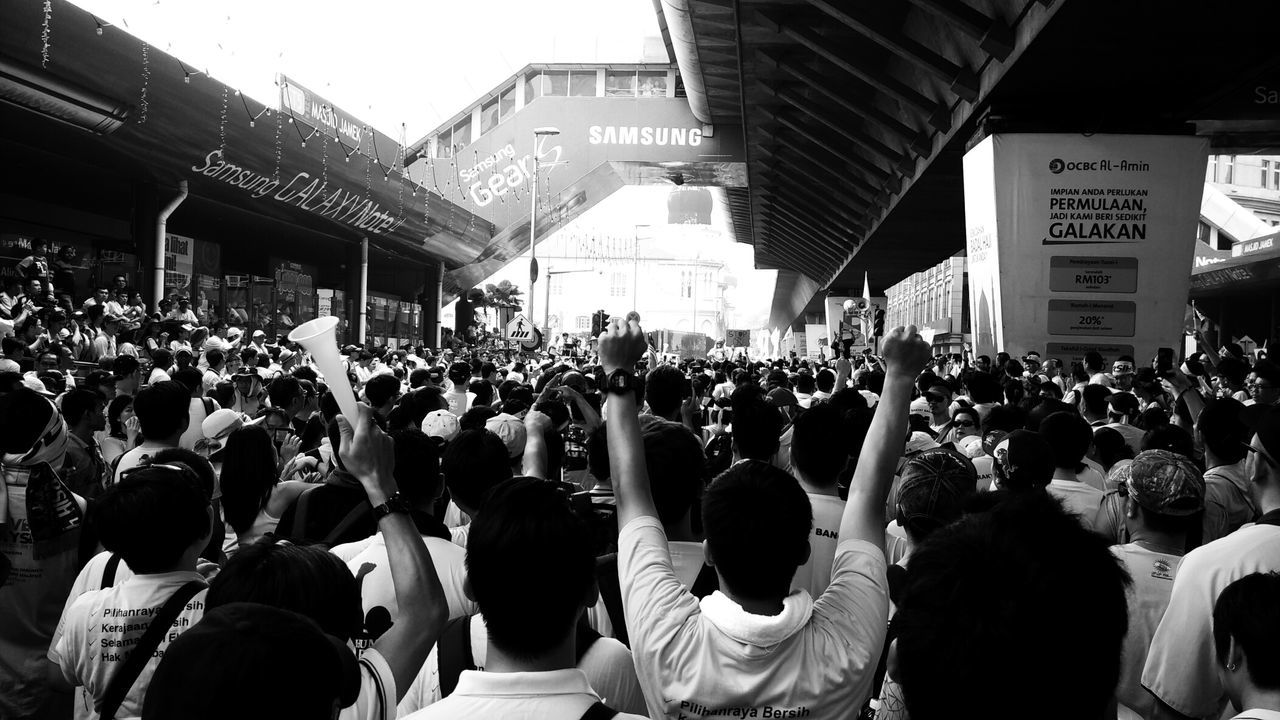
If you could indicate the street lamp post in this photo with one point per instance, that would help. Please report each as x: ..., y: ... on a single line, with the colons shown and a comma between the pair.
x: 533, y: 217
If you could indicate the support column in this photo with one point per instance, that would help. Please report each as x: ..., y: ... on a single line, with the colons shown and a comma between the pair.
x: 1081, y: 243
x: 146, y: 204
x: 363, y: 298
x: 429, y: 300
x: 354, y: 308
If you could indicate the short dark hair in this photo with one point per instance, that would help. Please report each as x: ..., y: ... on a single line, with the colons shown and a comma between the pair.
x: 1222, y: 427
x: 191, y: 378
x: 283, y: 390
x: 124, y: 365
x: 1246, y: 612
x: 162, y: 409
x: 214, y: 358
x: 419, y: 377
x: 818, y: 447
x: 307, y: 579
x: 984, y: 387
x: 161, y: 358
x: 1171, y: 438
x: 1068, y: 437
x: 1054, y: 597
x: 663, y: 389
x: 757, y: 425
x: 825, y: 380
x: 529, y: 537
x: 675, y: 463
x: 78, y: 402
x: 473, y: 464
x: 151, y: 517
x: 380, y: 389
x: 743, y: 500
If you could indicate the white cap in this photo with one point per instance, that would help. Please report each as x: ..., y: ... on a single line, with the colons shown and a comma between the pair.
x: 511, y: 429
x: 442, y: 424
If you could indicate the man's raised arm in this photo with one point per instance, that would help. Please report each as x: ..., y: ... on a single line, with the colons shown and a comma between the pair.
x: 621, y: 345
x: 905, y: 354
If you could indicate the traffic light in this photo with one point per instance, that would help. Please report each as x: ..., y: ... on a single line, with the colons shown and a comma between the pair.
x: 877, y: 328
x: 599, y: 320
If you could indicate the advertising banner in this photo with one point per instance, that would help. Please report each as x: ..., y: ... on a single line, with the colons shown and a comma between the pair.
x: 179, y: 263
x: 1081, y: 243
x: 847, y: 329
x: 816, y: 341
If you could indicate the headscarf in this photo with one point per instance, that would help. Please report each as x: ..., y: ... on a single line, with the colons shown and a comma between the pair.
x: 29, y: 461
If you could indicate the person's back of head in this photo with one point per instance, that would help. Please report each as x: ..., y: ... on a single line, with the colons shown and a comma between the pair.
x: 1222, y: 428
x: 757, y: 425
x: 418, y: 378
x: 529, y: 567
x: 935, y: 485
x: 818, y: 445
x: 279, y: 660
x: 1171, y: 438
x: 825, y: 380
x: 214, y: 359
x: 306, y: 579
x: 1110, y: 447
x: 381, y: 389
x: 191, y: 379
x: 1233, y: 371
x: 248, y: 475
x: 1165, y: 491
x: 1093, y: 401
x: 1093, y: 361
x: 1022, y: 460
x: 1049, y: 593
x: 78, y: 403
x: 1044, y: 408
x: 984, y: 388
x: 476, y: 418
x: 1068, y: 437
x: 757, y: 521
x: 663, y: 390
x: 1004, y: 417
x: 1122, y: 405
x: 162, y: 409
x: 161, y: 359
x: 151, y: 518
x: 283, y: 391
x: 805, y: 383
x: 473, y: 464
x: 417, y: 470
x: 675, y: 462
x: 124, y: 366
x: 1246, y: 636
x: 483, y: 390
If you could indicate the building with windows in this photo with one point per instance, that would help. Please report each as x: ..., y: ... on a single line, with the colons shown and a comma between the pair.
x: 935, y: 300
x: 640, y: 80
x: 1252, y: 181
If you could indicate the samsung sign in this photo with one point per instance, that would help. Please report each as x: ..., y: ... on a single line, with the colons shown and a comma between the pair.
x: 638, y: 135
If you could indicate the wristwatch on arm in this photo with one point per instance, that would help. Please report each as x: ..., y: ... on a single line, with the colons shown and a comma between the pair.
x: 620, y: 382
x: 394, y: 504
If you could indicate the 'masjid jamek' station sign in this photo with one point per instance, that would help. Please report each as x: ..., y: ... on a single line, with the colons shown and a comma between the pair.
x: 1079, y: 243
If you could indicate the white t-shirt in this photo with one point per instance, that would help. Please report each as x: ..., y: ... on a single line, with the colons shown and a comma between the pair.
x: 815, y: 658
x: 99, y: 625
x: 607, y: 666
x: 197, y: 413
x: 90, y: 578
x: 554, y: 695
x: 1148, y: 596
x: 985, y: 465
x: 157, y: 375
x: 133, y: 458
x: 1079, y: 498
x: 460, y: 402
x: 367, y: 560
x: 815, y: 574
x: 1182, y: 667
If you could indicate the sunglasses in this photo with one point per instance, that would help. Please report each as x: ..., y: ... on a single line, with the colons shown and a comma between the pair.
x: 965, y: 423
x: 933, y: 397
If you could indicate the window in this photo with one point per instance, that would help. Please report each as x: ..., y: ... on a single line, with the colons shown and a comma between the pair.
x: 584, y: 322
x: 444, y: 146
x: 686, y: 283
x: 1203, y: 232
x: 619, y: 84
x: 1271, y: 174
x: 506, y: 103
x: 555, y: 285
x: 582, y: 83
x: 488, y: 116
x: 652, y: 83
x: 617, y: 284
x: 1211, y: 174
x: 1227, y: 165
x: 461, y: 134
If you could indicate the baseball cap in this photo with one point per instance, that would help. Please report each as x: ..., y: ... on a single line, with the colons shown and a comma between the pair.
x: 436, y: 374
x: 7, y: 365
x: 970, y: 446
x: 1166, y: 483
x: 259, y: 333
x: 919, y: 442
x: 933, y: 488
x: 1025, y: 456
x: 781, y: 397
x: 511, y: 430
x: 442, y: 424
x: 221, y: 423
x: 280, y: 659
x: 187, y: 326
x: 32, y: 383
x: 991, y: 440
x: 234, y: 332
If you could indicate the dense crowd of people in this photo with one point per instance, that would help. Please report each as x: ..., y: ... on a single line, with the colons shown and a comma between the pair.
x: 192, y: 529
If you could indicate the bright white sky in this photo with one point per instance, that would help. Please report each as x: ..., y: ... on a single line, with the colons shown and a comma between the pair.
x: 387, y: 62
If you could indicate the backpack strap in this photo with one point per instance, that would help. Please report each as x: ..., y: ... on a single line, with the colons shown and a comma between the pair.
x: 453, y: 653
x: 599, y: 711
x: 611, y: 595
x: 584, y: 638
x: 109, y: 571
x: 124, y: 678
x: 208, y: 406
x: 355, y: 515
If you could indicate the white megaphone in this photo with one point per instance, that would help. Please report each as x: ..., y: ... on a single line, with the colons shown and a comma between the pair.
x: 319, y: 337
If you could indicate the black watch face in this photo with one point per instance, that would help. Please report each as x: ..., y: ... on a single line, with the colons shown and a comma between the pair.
x: 620, y: 381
